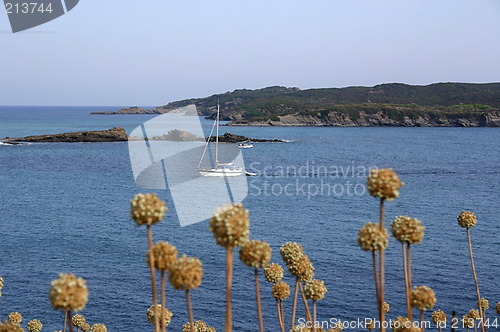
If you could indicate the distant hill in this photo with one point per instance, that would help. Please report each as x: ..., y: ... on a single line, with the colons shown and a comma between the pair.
x: 394, y: 104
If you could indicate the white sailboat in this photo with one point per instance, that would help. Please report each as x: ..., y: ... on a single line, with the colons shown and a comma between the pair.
x: 220, y: 169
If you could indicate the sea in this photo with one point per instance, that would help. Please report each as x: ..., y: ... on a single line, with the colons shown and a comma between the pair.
x: 64, y: 208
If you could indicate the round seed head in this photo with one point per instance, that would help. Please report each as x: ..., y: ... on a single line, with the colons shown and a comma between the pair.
x: 301, y: 267
x: 386, y: 307
x: 290, y: 251
x: 98, y: 328
x: 483, y: 304
x: 407, y: 230
x: 498, y: 308
x: 210, y: 329
x: 68, y: 293
x: 467, y: 219
x: 230, y: 226
x: 199, y: 326
x: 336, y: 327
x: 35, y: 325
x: 185, y: 273
x: 9, y: 327
x: 468, y: 321
x: 315, y: 290
x: 423, y: 297
x: 147, y: 209
x: 255, y: 253
x: 370, y: 325
x: 15, y: 318
x: 150, y: 314
x: 474, y: 314
x: 273, y: 272
x: 164, y: 255
x: 371, y: 237
x: 85, y: 327
x: 281, y: 290
x: 384, y: 183
x: 438, y: 316
x: 78, y: 320
x: 403, y: 324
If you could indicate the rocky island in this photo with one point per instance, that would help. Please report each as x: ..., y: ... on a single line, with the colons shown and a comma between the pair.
x: 118, y: 134
x: 394, y: 104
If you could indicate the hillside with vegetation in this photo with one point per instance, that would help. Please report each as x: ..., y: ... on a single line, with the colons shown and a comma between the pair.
x: 394, y: 104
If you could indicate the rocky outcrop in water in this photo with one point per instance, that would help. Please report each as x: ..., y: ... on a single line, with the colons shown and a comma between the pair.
x: 116, y: 134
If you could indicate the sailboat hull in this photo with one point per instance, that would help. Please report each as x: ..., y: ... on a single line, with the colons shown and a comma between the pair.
x: 220, y: 172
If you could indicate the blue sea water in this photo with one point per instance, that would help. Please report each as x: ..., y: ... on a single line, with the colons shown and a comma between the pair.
x: 65, y: 208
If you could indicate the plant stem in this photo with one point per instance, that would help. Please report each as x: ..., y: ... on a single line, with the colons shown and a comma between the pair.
x: 422, y: 326
x: 190, y: 310
x: 259, y: 306
x: 382, y: 271
x: 295, y: 297
x: 163, y: 301
x: 229, y: 281
x: 308, y: 313
x: 407, y: 284
x: 280, y: 318
x: 376, y: 277
x: 314, y: 316
x: 481, y: 313
x: 282, y: 313
x: 65, y: 319
x: 153, y: 279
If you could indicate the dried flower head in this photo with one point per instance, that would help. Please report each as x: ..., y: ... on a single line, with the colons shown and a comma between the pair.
x: 301, y: 267
x: 85, y: 327
x: 386, y: 307
x: 467, y: 219
x: 468, y: 321
x: 371, y: 237
x: 315, y: 290
x: 185, y: 273
x: 9, y: 327
x: 68, y: 293
x: 1, y: 285
x: 290, y: 251
x: 210, y: 329
x: 498, y: 308
x: 473, y: 313
x: 281, y: 290
x: 15, y: 318
x: 483, y: 304
x: 423, y: 297
x: 403, y: 324
x: 273, y: 272
x: 35, y: 325
x: 336, y: 327
x: 407, y: 230
x: 255, y: 253
x: 147, y: 209
x: 150, y: 315
x: 98, y: 328
x: 164, y: 255
x: 199, y: 326
x: 384, y: 183
x: 438, y: 316
x: 370, y: 325
x: 230, y: 226
x: 78, y: 320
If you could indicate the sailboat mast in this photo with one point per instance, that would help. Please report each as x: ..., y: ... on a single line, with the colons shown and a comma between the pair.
x: 217, y: 137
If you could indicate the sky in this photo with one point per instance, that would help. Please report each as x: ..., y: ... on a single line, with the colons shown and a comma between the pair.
x: 151, y: 52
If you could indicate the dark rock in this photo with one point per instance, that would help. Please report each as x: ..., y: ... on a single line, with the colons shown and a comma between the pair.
x: 116, y: 134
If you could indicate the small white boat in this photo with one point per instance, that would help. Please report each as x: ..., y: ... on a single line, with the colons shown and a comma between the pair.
x: 220, y: 169
x: 245, y: 145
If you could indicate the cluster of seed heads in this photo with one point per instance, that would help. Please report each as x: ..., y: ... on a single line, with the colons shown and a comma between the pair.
x: 315, y: 290
x: 371, y: 237
x: 164, y: 255
x: 15, y: 318
x: 386, y: 307
x: 255, y: 253
x: 185, y: 273
x: 467, y: 219
x: 230, y: 226
x: 423, y: 297
x: 273, y: 272
x: 35, y: 325
x: 147, y: 209
x: 468, y: 321
x: 438, y: 316
x: 199, y: 326
x: 98, y: 328
x: 384, y: 183
x: 407, y: 230
x: 68, y: 293
x: 474, y: 314
x: 78, y: 320
x: 280, y: 290
x: 483, y: 304
x: 9, y: 327
x: 403, y: 324
x: 150, y: 314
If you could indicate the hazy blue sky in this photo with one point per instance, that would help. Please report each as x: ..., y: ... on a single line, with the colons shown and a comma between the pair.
x: 144, y: 52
